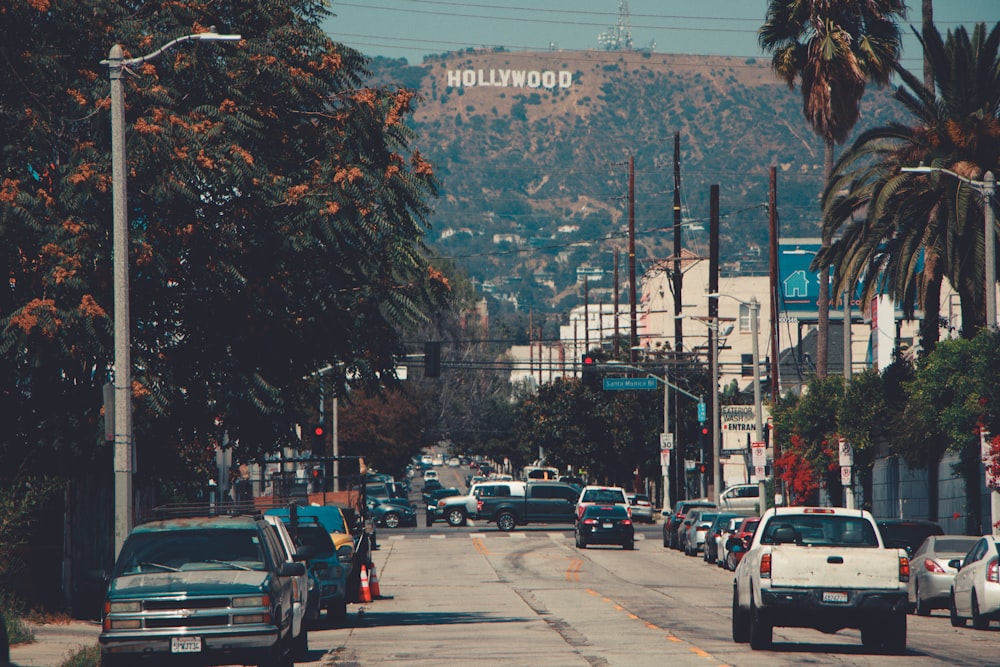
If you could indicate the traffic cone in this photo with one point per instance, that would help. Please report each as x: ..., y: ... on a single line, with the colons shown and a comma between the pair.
x: 373, y: 580
x: 366, y: 593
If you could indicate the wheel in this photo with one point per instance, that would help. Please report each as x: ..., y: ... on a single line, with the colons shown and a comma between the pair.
x: 666, y: 542
x: 895, y: 636
x: 456, y: 517
x: 430, y: 520
x: 761, y: 630
x: 277, y: 656
x: 979, y: 622
x: 337, y: 612
x: 741, y: 622
x: 300, y: 645
x: 629, y: 546
x: 391, y: 520
x: 870, y: 637
x: 506, y: 522
x: 956, y: 620
x: 580, y: 542
x: 921, y: 607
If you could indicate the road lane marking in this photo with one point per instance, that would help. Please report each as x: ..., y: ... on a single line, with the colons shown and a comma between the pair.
x: 573, y: 570
x: 652, y: 626
x: 480, y: 546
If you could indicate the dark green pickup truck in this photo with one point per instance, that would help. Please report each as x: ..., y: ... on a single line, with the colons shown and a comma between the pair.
x: 200, y: 591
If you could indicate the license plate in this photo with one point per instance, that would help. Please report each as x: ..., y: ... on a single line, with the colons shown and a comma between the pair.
x: 607, y: 525
x: 835, y: 597
x: 185, y: 644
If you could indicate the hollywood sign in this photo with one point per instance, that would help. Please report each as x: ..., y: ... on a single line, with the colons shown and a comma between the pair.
x: 509, y: 78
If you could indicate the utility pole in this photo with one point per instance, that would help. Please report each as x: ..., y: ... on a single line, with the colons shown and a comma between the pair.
x: 614, y: 296
x: 713, y: 335
x: 772, y: 207
x: 634, y: 338
x: 678, y: 277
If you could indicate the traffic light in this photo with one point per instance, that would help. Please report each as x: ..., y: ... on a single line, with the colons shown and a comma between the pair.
x: 318, y: 440
x: 702, y: 468
x: 588, y: 373
x: 432, y: 359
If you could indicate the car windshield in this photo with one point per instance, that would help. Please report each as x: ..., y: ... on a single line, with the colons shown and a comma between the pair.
x: 602, y: 496
x: 819, y: 530
x: 331, y: 517
x: 957, y: 545
x: 194, y: 549
x: 316, y: 536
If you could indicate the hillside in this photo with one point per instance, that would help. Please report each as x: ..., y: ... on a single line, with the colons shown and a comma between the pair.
x: 532, y: 151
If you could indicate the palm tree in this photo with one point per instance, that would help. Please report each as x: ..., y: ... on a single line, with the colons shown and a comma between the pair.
x: 892, y: 220
x: 835, y: 47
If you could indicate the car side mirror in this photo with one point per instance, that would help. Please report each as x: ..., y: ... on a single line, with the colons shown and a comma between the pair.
x: 955, y: 563
x: 305, y: 552
x: 291, y: 570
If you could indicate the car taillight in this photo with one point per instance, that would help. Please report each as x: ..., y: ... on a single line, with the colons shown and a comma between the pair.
x: 479, y: 505
x: 627, y: 522
x: 904, y: 568
x: 590, y: 522
x: 765, y: 566
x: 932, y: 566
x: 993, y: 571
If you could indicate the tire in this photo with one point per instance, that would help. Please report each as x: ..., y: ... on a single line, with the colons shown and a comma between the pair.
x: 666, y: 543
x: 391, y: 520
x: 956, y: 620
x: 580, y: 542
x: 337, y: 612
x: 629, y: 546
x: 456, y: 517
x: 895, y: 638
x: 300, y: 645
x: 741, y: 622
x: 979, y: 622
x: 506, y: 522
x: 761, y: 630
x: 430, y: 520
x: 921, y: 607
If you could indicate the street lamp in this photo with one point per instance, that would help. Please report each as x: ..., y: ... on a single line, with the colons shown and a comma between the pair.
x: 713, y: 323
x: 123, y: 362
x: 987, y: 188
x: 758, y: 432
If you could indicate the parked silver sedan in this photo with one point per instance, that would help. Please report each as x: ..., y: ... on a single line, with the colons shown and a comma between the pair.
x: 975, y: 593
x: 642, y: 509
x: 930, y: 574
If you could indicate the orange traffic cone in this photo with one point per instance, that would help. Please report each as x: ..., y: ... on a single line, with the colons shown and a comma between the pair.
x: 373, y: 580
x: 366, y: 593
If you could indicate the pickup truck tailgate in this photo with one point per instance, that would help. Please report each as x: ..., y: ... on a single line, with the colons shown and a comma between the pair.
x: 833, y: 567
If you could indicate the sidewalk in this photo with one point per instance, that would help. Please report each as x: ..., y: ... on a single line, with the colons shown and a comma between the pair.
x: 54, y: 642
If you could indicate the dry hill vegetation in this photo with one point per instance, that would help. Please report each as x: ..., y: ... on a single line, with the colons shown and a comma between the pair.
x: 546, y: 168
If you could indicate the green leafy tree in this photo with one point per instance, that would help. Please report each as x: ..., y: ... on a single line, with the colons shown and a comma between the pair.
x: 384, y: 428
x: 891, y: 220
x: 276, y: 215
x: 863, y: 419
x: 835, y: 47
x: 954, y: 394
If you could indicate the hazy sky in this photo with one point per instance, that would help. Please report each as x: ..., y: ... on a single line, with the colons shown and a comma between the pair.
x: 413, y: 28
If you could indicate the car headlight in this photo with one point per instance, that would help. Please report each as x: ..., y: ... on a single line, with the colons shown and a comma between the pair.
x: 345, y: 554
x: 251, y: 601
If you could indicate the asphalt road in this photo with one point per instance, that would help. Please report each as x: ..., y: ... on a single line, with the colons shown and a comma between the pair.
x: 476, y: 596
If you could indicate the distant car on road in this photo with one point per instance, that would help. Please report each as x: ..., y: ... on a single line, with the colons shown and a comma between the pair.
x: 605, y: 524
x: 975, y: 593
x: 601, y: 495
x: 907, y: 534
x: 740, y: 497
x: 672, y: 520
x: 642, y: 509
x: 932, y: 570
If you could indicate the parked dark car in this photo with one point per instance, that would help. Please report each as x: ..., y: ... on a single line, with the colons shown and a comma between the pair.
x: 391, y: 515
x: 714, y: 534
x: 216, y: 588
x: 673, y: 520
x: 739, y: 542
x: 907, y: 534
x: 605, y: 524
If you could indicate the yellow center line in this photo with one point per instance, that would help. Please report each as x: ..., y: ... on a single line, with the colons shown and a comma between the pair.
x: 652, y: 626
x: 480, y: 546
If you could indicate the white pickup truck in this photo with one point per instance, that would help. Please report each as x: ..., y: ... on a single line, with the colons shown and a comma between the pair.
x: 823, y: 568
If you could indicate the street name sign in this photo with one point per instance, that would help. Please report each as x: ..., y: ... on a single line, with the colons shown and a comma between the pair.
x: 620, y: 384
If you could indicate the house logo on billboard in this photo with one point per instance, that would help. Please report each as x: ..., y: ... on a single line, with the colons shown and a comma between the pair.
x: 508, y: 78
x: 797, y: 285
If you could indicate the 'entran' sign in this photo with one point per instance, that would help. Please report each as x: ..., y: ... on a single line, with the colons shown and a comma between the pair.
x: 509, y: 78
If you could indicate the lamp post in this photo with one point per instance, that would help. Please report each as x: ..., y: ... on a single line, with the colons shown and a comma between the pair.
x: 987, y: 188
x: 123, y: 462
x: 713, y: 322
x: 758, y: 410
